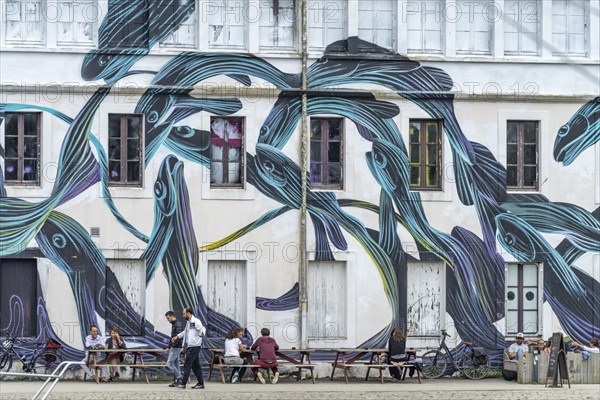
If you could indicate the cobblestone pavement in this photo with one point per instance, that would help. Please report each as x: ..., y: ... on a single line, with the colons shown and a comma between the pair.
x: 455, y: 389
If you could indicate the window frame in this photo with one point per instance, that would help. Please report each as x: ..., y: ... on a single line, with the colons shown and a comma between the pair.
x: 20, y: 149
x: 586, y: 32
x: 471, y: 31
x: 423, y: 155
x: 225, y: 159
x: 293, y: 47
x: 322, y: 20
x: 520, y: 32
x: 520, y: 289
x: 424, y: 49
x: 521, y: 157
x: 324, y: 153
x: 245, y: 23
x: 123, y: 150
x: 375, y: 29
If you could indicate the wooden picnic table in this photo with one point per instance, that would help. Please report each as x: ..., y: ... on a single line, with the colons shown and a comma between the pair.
x: 305, y: 361
x: 138, y: 360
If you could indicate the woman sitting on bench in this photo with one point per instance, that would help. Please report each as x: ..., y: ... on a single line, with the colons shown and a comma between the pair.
x: 397, y: 352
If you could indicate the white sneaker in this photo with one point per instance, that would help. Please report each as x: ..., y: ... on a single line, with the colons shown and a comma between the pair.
x: 276, y: 378
x: 260, y: 378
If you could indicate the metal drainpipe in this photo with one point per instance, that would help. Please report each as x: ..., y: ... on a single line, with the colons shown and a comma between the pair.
x: 303, y: 163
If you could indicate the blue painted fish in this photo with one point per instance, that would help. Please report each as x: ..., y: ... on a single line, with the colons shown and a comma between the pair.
x: 128, y: 32
x: 580, y: 133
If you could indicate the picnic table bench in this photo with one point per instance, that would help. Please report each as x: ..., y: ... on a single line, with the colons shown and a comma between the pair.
x: 138, y: 360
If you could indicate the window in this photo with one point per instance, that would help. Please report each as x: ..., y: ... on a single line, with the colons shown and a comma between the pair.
x: 326, y: 153
x: 522, y: 154
x: 327, y: 300
x: 24, y: 22
x: 22, y: 148
x: 521, y: 27
x: 125, y: 150
x: 226, y: 152
x: 522, y: 295
x: 425, y: 140
x: 277, y: 24
x: 227, y: 290
x: 425, y: 25
x: 185, y: 36
x: 326, y: 22
x: 474, y: 27
x: 570, y: 27
x: 125, y: 287
x: 130, y: 32
x: 76, y: 25
x: 227, y: 24
x: 377, y: 22
x: 425, y: 298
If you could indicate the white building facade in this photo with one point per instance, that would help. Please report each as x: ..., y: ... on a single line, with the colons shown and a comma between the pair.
x: 329, y: 169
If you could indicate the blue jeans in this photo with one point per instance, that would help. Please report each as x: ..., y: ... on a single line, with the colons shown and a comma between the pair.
x: 173, y: 362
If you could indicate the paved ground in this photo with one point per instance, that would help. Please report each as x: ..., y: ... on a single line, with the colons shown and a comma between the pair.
x: 451, y: 389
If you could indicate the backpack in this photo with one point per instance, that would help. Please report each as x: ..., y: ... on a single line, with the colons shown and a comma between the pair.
x: 479, y: 356
x: 509, y: 375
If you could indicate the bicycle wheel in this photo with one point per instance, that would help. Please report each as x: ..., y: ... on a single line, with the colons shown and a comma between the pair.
x: 475, y: 370
x: 434, y: 364
x: 46, y: 363
x: 5, y: 363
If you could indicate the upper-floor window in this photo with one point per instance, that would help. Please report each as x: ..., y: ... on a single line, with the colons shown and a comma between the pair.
x: 522, y: 154
x: 127, y: 33
x: 24, y: 22
x: 227, y: 21
x: 521, y: 27
x: 425, y: 144
x: 277, y: 24
x: 326, y: 153
x: 125, y: 160
x: 185, y: 36
x: 77, y: 22
x: 570, y: 27
x: 425, y: 24
x: 474, y: 27
x: 326, y: 22
x: 22, y: 148
x: 226, y: 152
x: 377, y: 22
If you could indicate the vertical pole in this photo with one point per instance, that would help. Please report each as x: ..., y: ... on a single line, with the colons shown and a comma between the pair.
x: 303, y: 164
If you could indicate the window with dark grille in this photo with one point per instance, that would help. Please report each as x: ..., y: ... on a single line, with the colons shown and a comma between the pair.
x: 326, y: 153
x: 22, y: 148
x: 522, y: 155
x: 125, y: 150
x: 522, y: 299
x: 227, y: 152
x: 18, y: 297
x: 425, y: 145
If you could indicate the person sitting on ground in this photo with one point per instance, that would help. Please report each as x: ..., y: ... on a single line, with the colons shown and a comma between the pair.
x: 548, y: 347
x: 266, y: 347
x: 518, y: 349
x: 397, y: 352
x: 593, y: 347
x: 93, y: 341
x: 233, y: 346
x: 115, y: 342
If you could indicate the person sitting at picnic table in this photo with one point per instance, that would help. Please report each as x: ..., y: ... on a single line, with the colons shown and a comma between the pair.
x: 518, y: 349
x: 592, y: 348
x: 233, y: 346
x: 115, y: 342
x: 266, y: 347
x: 93, y: 341
x: 397, y: 352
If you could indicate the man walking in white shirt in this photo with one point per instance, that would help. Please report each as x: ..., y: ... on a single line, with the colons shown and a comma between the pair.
x: 192, y: 340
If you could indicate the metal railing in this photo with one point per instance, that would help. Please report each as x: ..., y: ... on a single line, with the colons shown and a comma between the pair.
x: 56, y: 375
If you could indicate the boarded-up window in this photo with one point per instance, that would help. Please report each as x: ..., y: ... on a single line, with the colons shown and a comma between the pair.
x: 18, y: 297
x: 187, y: 32
x: 425, y: 291
x: 227, y: 21
x: 125, y: 295
x: 474, y: 27
x: 326, y: 289
x: 227, y: 289
x: 23, y: 22
x: 377, y: 22
x: 277, y: 24
x: 522, y: 299
x: 425, y: 24
x: 76, y: 25
x: 326, y: 22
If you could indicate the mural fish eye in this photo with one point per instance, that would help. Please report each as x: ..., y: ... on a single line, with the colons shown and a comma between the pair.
x: 271, y: 165
x: 185, y: 131
x: 169, y: 174
x: 513, y: 236
x: 59, y: 240
x: 152, y: 117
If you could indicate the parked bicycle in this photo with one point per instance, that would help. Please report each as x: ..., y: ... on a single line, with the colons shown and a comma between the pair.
x: 43, y: 360
x: 474, y: 363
